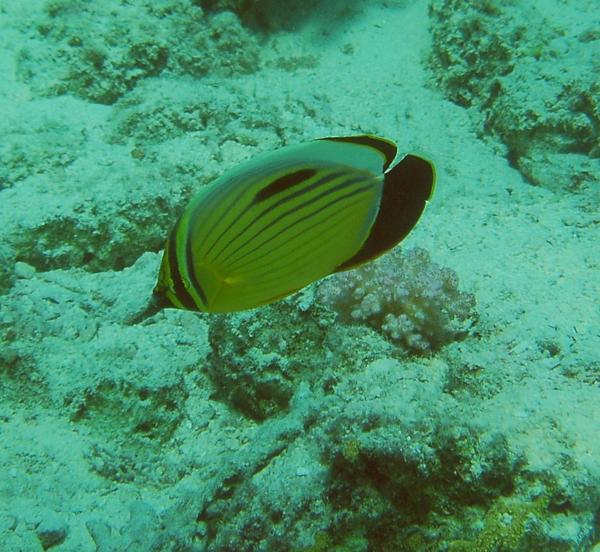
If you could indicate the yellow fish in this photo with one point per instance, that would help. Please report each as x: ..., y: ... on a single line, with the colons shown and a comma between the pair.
x: 287, y: 218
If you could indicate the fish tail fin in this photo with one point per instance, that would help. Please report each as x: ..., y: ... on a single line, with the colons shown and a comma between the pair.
x: 407, y: 187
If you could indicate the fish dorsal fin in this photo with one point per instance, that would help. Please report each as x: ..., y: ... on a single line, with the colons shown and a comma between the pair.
x: 363, y: 153
x: 386, y: 148
x: 407, y: 188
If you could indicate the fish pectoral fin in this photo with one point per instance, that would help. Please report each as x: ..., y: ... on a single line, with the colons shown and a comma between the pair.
x: 210, y: 281
x: 233, y: 280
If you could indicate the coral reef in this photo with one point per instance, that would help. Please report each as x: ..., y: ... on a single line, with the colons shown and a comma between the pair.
x: 138, y: 536
x: 41, y: 336
x: 7, y: 267
x: 349, y: 454
x: 410, y: 299
x: 511, y: 525
x: 43, y: 141
x: 548, y: 115
x: 260, y: 357
x: 387, y: 462
x: 85, y: 223
x: 471, y: 50
x: 295, y: 427
x: 152, y: 115
x: 162, y: 131
x: 100, y: 51
x: 268, y: 15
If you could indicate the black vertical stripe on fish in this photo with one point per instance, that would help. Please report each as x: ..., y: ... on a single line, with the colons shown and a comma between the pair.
x: 230, y: 195
x: 284, y: 183
x: 179, y: 288
x: 320, y: 182
x: 304, y: 205
x: 233, y: 203
x: 277, y: 185
x: 330, y: 218
x: 281, y: 231
x: 271, y: 276
x: 191, y: 273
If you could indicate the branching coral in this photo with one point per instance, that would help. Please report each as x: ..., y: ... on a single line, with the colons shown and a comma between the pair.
x: 409, y: 298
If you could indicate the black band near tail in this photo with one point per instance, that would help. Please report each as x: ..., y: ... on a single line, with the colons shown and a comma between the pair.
x: 407, y: 187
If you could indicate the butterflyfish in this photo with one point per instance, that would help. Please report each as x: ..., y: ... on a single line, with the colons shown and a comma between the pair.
x: 285, y: 219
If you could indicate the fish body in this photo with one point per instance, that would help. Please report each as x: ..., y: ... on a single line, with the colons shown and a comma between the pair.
x: 287, y: 218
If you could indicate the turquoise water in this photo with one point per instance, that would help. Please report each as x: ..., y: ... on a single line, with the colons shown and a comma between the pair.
x: 443, y: 398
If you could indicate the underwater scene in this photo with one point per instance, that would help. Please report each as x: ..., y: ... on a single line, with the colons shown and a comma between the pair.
x: 299, y: 276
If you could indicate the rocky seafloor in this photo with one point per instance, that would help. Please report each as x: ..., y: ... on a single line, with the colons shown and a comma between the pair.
x: 443, y: 398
